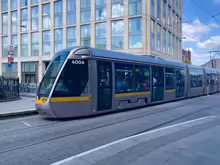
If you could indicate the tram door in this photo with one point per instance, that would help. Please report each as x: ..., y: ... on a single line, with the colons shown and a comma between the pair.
x: 157, y: 93
x: 180, y: 83
x: 104, y: 85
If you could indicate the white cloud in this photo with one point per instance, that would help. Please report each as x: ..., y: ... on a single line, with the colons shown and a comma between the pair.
x: 217, y: 2
x: 210, y: 44
x: 197, y: 58
x: 214, y: 25
x: 194, y: 31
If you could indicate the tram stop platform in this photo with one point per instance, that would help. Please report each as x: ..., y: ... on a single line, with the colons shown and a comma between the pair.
x: 24, y: 106
x: 191, y: 142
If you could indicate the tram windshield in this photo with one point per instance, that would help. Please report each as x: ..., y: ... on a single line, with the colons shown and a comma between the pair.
x: 51, y: 74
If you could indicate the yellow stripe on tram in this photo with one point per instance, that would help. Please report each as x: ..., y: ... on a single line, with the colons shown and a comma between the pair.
x: 71, y: 99
x: 131, y: 94
x: 171, y: 91
x: 196, y: 88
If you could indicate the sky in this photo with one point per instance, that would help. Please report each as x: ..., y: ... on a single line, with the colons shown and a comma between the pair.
x: 201, y: 33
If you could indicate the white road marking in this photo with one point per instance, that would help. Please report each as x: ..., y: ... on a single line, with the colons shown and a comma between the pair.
x: 121, y: 140
x: 25, y: 123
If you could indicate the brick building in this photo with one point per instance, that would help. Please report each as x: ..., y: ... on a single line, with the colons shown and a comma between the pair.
x: 186, y: 56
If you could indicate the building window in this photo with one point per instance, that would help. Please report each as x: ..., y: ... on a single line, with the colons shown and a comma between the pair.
x: 71, y: 17
x: 165, y: 12
x: 177, y: 24
x: 5, y: 47
x: 100, y: 9
x: 14, y: 22
x: 71, y: 36
x: 85, y: 10
x: 158, y: 10
x: 86, y: 35
x: 34, y: 17
x: 169, y: 16
x: 24, y: 3
x: 117, y: 8
x: 177, y: 6
x: 14, y: 42
x: 173, y: 45
x: 46, y: 42
x: 14, y: 4
x: 173, y: 4
x: 58, y: 45
x: 177, y: 48
x: 35, y: 44
x: 46, y: 16
x: 5, y: 70
x: 33, y: 2
x: 153, y: 8
x: 169, y: 44
x: 58, y: 13
x: 24, y: 19
x: 135, y: 7
x: 153, y: 34
x: 158, y: 37
x: 24, y: 45
x: 28, y: 72
x: 100, y: 41
x: 118, y: 34
x: 5, y: 23
x: 4, y: 5
x: 173, y: 20
x: 164, y: 40
x: 135, y: 33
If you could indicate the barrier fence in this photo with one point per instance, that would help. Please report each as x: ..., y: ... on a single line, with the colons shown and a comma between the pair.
x: 9, y: 89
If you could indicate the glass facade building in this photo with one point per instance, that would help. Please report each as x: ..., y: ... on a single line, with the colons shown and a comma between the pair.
x: 39, y: 28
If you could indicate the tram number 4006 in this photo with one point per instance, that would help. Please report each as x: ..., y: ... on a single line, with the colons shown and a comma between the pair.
x: 78, y: 62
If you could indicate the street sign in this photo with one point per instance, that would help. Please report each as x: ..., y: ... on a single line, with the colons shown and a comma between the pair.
x: 10, y: 54
x: 9, y: 65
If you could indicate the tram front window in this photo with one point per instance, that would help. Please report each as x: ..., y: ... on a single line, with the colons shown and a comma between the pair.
x: 51, y: 74
x: 73, y: 79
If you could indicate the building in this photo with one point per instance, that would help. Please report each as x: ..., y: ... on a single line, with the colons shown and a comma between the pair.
x: 214, y: 63
x: 39, y: 28
x: 186, y: 56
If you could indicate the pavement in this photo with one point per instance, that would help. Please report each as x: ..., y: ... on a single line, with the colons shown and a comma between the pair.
x: 182, y: 132
x: 24, y: 106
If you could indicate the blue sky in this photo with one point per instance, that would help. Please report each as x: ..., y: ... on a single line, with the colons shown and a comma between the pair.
x: 201, y: 31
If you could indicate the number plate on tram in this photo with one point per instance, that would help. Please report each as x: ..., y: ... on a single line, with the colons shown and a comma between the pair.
x: 78, y: 62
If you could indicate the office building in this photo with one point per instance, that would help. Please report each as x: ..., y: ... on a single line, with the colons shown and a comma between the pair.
x: 39, y: 28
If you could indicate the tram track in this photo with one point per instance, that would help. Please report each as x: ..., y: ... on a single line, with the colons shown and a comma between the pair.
x: 109, y: 124
x: 138, y: 115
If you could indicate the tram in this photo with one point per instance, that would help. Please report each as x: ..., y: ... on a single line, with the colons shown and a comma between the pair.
x: 84, y: 81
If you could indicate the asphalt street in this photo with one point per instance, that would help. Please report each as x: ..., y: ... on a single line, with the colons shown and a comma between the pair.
x: 34, y: 140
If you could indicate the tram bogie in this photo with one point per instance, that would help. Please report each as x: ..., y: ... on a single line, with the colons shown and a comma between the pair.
x: 84, y: 81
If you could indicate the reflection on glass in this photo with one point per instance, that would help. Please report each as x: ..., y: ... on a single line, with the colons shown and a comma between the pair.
x: 135, y: 33
x: 118, y: 34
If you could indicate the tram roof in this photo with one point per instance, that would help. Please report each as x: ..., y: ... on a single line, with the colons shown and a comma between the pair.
x: 129, y: 57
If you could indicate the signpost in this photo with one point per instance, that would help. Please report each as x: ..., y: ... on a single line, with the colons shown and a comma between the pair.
x: 10, y: 58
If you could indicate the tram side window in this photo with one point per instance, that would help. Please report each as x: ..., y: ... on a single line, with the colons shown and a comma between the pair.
x: 207, y: 79
x: 142, y: 78
x: 73, y: 80
x: 170, y: 79
x: 123, y: 78
x: 196, y: 78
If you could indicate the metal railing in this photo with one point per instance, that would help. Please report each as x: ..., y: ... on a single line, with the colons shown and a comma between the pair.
x: 9, y: 89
